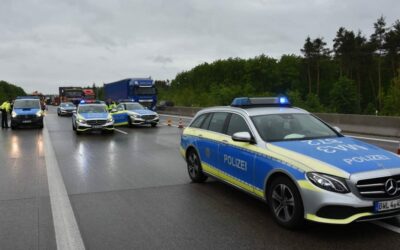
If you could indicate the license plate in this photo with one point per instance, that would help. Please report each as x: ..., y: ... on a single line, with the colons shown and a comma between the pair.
x: 387, y: 205
x: 96, y: 126
x: 26, y: 121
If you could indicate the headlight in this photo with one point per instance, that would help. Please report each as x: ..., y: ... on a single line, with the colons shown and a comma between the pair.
x: 13, y: 114
x: 81, y: 121
x: 328, y: 182
x: 110, y: 119
x: 134, y: 116
x: 39, y: 113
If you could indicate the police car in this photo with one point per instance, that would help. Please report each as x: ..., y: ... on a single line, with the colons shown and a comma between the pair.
x: 302, y: 167
x: 27, y: 112
x: 92, y: 117
x: 66, y: 108
x: 133, y: 113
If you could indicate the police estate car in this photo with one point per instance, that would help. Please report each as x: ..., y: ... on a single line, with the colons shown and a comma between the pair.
x: 27, y: 112
x: 92, y: 117
x: 302, y: 167
x: 133, y: 113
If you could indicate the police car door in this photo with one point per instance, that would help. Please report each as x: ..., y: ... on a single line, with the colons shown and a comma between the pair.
x: 237, y: 163
x: 209, y: 139
x: 120, y: 117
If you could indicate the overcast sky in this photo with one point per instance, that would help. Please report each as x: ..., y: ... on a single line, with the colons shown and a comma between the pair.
x: 49, y: 43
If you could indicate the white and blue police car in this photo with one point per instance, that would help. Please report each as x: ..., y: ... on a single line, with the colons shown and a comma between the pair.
x: 92, y: 117
x: 133, y: 113
x: 301, y: 166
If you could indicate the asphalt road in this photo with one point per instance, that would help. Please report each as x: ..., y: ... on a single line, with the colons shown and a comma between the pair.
x: 130, y: 190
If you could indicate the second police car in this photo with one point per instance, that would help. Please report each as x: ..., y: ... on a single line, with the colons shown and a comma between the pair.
x: 133, y: 113
x: 92, y: 117
x: 302, y: 167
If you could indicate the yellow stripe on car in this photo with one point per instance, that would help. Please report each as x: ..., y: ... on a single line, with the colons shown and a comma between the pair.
x: 348, y: 220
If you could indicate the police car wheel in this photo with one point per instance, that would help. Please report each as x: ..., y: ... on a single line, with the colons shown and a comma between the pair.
x: 285, y: 203
x: 73, y: 127
x: 194, y: 167
x: 154, y: 125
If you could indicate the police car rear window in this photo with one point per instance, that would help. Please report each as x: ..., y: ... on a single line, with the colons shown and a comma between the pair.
x: 198, y: 121
x: 217, y: 122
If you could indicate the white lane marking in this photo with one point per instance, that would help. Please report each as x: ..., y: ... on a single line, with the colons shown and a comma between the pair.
x: 66, y: 228
x: 373, y: 139
x: 121, y: 131
x: 387, y: 226
x: 177, y: 116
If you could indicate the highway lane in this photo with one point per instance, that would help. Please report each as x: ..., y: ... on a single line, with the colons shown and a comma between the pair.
x: 131, y: 191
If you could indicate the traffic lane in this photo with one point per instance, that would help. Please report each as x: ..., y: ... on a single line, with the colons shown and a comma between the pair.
x: 210, y: 215
x: 94, y: 162
x: 25, y: 211
x: 149, y: 202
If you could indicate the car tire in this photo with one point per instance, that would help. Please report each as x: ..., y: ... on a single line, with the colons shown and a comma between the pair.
x: 285, y: 203
x: 195, y: 170
x: 130, y: 122
x: 13, y: 127
x: 153, y: 125
x: 73, y: 127
x: 41, y: 126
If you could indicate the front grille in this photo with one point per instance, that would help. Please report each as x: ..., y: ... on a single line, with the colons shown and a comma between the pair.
x: 26, y: 116
x: 148, y: 117
x: 375, y: 188
x: 96, y: 122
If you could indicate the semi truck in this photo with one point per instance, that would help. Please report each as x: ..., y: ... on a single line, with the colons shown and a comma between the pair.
x: 70, y: 94
x: 141, y: 90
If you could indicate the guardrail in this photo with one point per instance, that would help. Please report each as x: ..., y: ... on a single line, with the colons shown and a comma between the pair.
x: 361, y: 124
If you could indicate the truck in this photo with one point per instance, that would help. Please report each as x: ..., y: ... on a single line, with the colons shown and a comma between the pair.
x: 70, y: 94
x: 141, y: 90
x: 88, y: 94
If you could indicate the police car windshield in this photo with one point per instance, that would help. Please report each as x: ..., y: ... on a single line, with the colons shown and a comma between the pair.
x: 27, y: 104
x: 285, y: 127
x: 133, y: 106
x: 92, y: 109
x: 67, y: 105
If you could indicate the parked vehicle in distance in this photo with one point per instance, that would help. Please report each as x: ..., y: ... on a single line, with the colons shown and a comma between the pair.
x: 162, y: 105
x: 66, y: 108
x: 141, y: 90
x: 26, y: 112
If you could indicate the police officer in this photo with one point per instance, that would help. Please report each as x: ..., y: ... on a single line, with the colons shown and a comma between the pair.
x: 5, y: 109
x: 111, y: 105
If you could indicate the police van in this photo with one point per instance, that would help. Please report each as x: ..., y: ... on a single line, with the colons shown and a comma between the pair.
x: 27, y: 112
x: 301, y: 166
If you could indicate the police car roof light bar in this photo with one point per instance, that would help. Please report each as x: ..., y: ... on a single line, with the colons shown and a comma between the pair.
x: 246, y: 102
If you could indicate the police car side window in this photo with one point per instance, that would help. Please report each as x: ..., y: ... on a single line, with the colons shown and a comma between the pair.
x: 237, y: 124
x: 206, y: 121
x: 199, y: 120
x: 120, y: 107
x: 217, y: 122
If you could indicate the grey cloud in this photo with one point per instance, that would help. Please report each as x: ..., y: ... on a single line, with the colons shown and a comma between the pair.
x: 81, y: 41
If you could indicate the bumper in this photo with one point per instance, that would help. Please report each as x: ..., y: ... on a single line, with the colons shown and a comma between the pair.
x: 66, y: 112
x: 335, y: 208
x: 140, y: 121
x: 81, y: 127
x: 27, y: 121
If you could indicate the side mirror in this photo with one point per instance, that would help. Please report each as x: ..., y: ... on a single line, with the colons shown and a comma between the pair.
x: 113, y: 110
x: 337, y: 129
x: 242, y: 137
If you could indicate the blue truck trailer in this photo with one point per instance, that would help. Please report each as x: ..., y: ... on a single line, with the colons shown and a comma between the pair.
x: 141, y: 90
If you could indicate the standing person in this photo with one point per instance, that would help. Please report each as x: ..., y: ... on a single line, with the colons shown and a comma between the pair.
x: 5, y: 109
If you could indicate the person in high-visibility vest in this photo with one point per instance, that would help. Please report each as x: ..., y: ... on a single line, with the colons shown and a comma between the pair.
x: 5, y: 109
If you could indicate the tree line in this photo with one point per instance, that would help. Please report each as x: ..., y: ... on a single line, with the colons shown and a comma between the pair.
x: 9, y: 91
x: 359, y: 74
